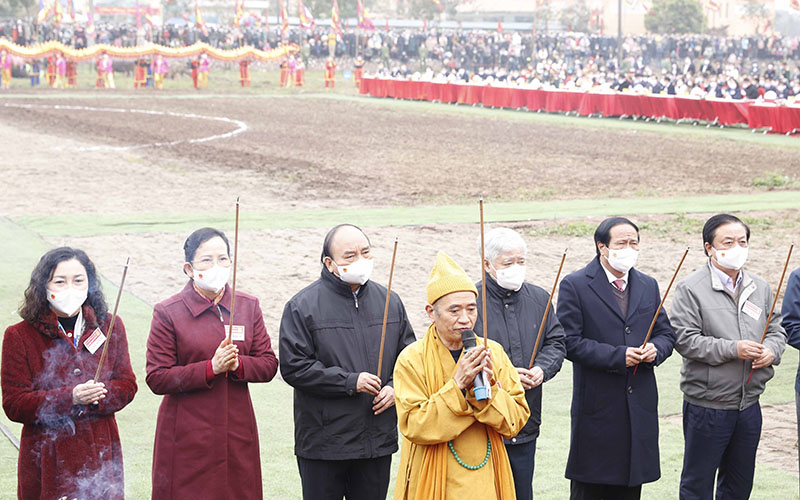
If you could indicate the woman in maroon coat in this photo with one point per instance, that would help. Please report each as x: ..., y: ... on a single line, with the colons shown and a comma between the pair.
x: 206, y: 443
x: 70, y: 443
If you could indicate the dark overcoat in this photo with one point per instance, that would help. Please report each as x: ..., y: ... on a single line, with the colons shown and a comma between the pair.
x: 614, y: 436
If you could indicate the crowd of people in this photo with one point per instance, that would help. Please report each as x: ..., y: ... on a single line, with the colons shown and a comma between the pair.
x: 467, y: 48
x: 469, y: 411
x: 735, y: 67
x: 706, y: 79
x: 702, y: 66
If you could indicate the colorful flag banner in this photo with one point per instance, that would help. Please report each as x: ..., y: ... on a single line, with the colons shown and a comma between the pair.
x: 199, y: 22
x: 148, y: 16
x: 284, y: 19
x: 336, y: 21
x: 306, y: 19
x: 364, y: 21
x: 237, y: 18
x: 44, y: 11
x: 58, y: 13
x: 90, y: 25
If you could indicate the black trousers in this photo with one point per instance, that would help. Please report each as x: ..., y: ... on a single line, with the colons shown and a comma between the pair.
x: 797, y: 403
x: 362, y: 479
x: 589, y: 491
x: 521, y: 457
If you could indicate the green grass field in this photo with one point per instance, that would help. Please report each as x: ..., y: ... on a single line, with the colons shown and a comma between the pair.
x: 97, y: 224
x: 22, y: 243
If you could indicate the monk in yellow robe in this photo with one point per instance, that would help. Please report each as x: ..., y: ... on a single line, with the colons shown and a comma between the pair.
x: 452, y: 445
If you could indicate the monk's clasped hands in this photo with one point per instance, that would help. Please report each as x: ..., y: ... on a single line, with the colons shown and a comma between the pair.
x: 470, y: 364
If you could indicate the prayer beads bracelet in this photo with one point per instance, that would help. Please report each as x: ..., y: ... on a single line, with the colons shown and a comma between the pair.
x: 472, y: 467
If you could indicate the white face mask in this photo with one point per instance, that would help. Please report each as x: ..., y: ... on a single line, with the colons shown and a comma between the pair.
x: 622, y: 259
x: 356, y: 273
x: 731, y: 258
x: 213, y: 279
x: 67, y: 301
x: 511, y: 277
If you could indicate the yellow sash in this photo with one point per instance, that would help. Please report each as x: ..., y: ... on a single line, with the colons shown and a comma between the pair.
x: 433, y: 470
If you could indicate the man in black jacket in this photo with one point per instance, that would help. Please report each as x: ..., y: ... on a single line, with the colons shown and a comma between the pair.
x: 661, y: 86
x: 514, y: 311
x: 750, y: 90
x: 344, y: 418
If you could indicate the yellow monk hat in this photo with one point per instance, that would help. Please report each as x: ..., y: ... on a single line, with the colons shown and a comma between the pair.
x: 447, y: 277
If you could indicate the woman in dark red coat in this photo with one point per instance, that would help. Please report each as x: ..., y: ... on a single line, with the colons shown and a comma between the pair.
x: 206, y: 443
x: 70, y: 444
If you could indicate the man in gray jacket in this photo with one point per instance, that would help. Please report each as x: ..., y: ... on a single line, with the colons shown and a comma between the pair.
x: 719, y: 313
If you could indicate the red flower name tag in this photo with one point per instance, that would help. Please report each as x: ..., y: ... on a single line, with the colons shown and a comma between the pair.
x: 94, y: 341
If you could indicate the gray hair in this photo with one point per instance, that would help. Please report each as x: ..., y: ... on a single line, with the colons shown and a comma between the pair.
x: 501, y: 240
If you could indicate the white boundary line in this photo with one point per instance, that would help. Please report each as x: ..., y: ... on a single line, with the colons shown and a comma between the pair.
x: 240, y: 125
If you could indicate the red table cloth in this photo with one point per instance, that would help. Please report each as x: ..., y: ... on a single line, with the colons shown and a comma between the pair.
x: 563, y: 100
x: 779, y: 119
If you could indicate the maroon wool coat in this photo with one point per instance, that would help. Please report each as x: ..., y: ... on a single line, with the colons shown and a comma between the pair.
x: 65, y: 449
x: 206, y: 443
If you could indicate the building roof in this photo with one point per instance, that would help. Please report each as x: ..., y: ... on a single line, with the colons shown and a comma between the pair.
x: 504, y: 6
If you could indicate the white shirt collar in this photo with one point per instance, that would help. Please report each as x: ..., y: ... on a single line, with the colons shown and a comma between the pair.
x: 726, y: 280
x: 612, y: 278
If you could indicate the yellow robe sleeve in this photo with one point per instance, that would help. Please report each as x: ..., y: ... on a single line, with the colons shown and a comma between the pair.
x: 427, y: 420
x: 507, y: 410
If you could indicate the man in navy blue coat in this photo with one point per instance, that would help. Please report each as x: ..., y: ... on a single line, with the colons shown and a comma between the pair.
x: 606, y: 309
x: 791, y: 323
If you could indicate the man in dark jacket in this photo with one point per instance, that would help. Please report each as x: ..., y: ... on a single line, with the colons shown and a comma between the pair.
x: 606, y: 309
x: 750, y: 90
x: 514, y: 311
x: 344, y: 418
x: 791, y: 323
x: 661, y: 86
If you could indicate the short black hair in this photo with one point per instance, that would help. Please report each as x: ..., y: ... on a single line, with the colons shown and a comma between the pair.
x: 199, y: 237
x: 603, y: 231
x: 712, y: 224
x: 326, y: 243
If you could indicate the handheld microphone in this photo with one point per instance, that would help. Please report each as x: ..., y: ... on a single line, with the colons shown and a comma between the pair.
x: 480, y: 387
